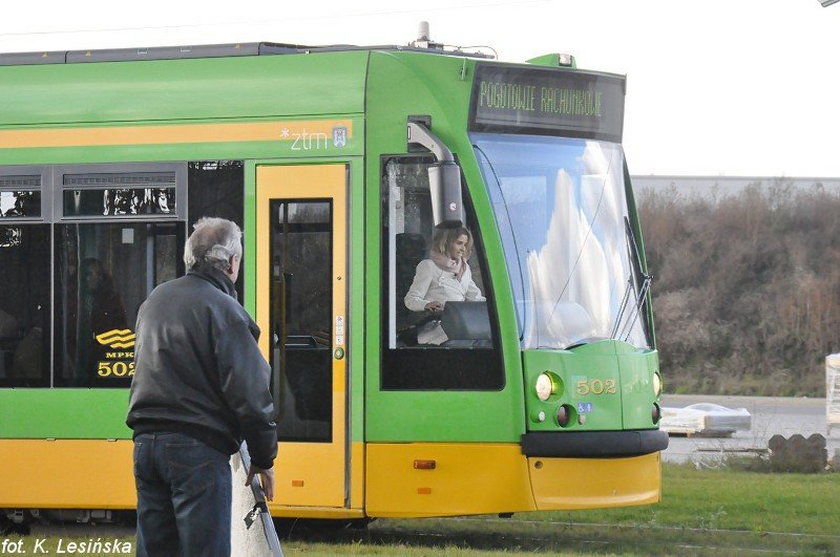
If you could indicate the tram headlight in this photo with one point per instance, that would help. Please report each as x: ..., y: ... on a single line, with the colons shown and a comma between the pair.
x: 544, y: 386
x: 657, y: 384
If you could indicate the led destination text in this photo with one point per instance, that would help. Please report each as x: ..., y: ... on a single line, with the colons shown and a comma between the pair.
x: 547, y: 101
x: 511, y: 96
x: 557, y: 100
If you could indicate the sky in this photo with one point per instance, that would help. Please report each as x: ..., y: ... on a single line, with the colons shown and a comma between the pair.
x: 714, y: 87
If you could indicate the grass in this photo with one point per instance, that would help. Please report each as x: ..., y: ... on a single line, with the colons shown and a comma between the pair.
x: 725, y: 512
x: 403, y: 550
x: 732, y: 500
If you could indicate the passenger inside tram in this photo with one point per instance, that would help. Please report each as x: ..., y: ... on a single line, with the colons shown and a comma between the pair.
x: 99, y: 309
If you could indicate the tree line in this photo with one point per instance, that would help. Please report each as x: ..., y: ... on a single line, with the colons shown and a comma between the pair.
x: 746, y: 291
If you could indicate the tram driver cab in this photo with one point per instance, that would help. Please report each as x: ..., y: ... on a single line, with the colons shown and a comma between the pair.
x: 443, y: 306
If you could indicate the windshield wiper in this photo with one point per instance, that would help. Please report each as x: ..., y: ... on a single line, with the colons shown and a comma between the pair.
x: 622, y: 308
x: 640, y: 302
x: 641, y: 295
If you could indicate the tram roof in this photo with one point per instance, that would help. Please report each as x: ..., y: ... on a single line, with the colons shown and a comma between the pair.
x: 207, y: 51
x: 208, y: 82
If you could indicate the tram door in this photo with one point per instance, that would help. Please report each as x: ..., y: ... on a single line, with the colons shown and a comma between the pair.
x: 302, y: 312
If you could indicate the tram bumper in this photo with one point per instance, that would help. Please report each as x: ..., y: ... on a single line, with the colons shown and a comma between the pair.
x: 599, y: 469
x: 594, y: 444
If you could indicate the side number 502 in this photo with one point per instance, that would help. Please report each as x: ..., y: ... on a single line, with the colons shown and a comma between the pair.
x: 115, y: 369
x: 595, y: 387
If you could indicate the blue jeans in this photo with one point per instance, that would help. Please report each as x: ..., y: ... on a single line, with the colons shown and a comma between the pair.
x: 183, y: 497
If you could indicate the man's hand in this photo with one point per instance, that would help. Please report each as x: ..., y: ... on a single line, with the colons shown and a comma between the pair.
x: 266, y: 479
x: 434, y: 306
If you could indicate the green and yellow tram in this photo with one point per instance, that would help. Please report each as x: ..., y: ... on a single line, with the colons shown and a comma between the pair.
x: 339, y: 163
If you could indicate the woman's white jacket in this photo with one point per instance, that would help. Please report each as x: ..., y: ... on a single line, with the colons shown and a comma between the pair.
x: 433, y: 284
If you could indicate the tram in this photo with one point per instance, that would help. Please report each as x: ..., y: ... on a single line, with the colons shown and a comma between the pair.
x: 340, y: 164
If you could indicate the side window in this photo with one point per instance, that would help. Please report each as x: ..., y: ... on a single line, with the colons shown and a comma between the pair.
x: 25, y: 305
x: 20, y: 196
x: 217, y: 189
x: 438, y: 314
x: 301, y: 293
x: 25, y: 308
x: 81, y: 247
x: 115, y: 237
x: 103, y: 273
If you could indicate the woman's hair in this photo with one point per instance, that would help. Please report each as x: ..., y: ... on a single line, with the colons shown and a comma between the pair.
x: 445, y: 237
x: 213, y: 241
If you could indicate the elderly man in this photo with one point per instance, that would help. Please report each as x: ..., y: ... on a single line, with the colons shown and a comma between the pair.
x: 201, y: 385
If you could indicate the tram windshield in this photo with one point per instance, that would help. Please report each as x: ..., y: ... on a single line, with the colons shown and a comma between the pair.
x: 562, y: 212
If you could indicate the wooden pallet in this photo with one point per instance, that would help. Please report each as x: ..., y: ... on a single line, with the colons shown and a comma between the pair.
x: 688, y: 432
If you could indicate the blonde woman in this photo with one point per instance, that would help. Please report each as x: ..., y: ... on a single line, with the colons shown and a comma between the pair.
x: 444, y: 277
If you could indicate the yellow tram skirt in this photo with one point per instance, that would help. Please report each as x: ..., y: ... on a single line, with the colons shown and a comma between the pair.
x: 67, y: 473
x: 401, y: 479
x: 595, y: 483
x: 420, y: 479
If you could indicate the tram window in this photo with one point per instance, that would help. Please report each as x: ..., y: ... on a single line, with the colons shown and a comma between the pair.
x: 24, y: 305
x: 166, y: 257
x: 20, y: 196
x: 217, y: 189
x: 439, y: 316
x: 301, y: 320
x: 119, y: 201
x: 103, y: 274
x: 20, y: 203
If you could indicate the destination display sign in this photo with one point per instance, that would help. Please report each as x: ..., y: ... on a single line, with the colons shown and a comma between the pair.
x: 559, y: 102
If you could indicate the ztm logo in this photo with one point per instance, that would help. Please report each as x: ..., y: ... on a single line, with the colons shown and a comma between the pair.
x: 339, y: 136
x: 117, y: 338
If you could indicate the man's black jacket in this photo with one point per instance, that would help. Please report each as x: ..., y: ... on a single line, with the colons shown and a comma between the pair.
x: 199, y: 370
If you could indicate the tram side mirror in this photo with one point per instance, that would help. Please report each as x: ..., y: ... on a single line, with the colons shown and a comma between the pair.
x: 444, y: 174
x: 445, y: 188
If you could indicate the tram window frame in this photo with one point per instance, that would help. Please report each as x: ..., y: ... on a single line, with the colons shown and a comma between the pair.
x: 102, y: 179
x: 114, y: 365
x: 302, y: 353
x: 27, y: 318
x: 16, y: 195
x: 33, y: 332
x: 14, y: 179
x: 216, y: 188
x: 190, y: 188
x: 97, y: 290
x: 167, y: 238
x: 451, y: 366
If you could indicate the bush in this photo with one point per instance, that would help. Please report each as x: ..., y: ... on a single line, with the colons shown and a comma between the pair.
x: 746, y: 291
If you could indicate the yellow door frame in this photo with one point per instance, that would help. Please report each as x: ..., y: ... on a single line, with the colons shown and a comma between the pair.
x: 313, y: 475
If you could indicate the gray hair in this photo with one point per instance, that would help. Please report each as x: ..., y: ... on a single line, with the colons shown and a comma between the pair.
x: 213, y: 241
